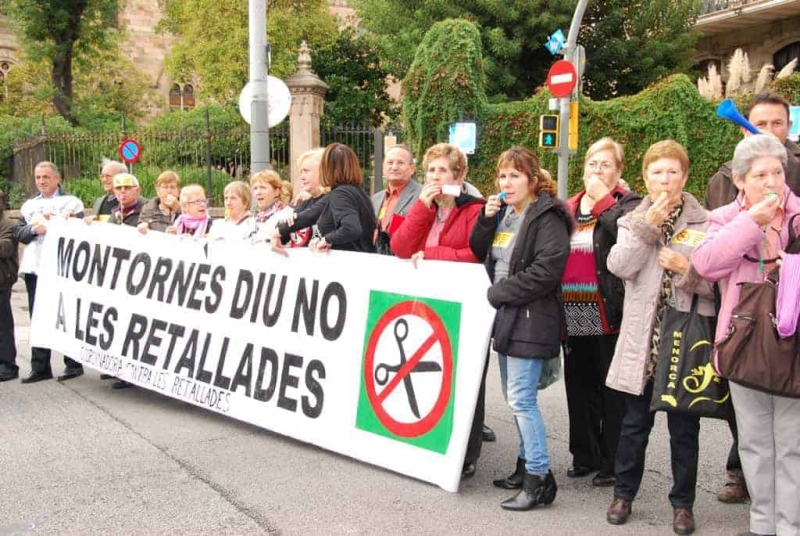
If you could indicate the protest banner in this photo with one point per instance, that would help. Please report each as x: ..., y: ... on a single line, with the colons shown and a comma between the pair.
x: 359, y: 354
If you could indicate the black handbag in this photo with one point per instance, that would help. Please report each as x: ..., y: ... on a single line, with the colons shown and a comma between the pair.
x: 383, y: 243
x: 685, y: 379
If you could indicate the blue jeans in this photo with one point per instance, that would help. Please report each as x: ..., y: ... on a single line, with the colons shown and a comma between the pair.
x: 519, y: 378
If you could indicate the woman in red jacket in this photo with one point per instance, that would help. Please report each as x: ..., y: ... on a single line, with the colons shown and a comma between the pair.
x: 438, y: 227
x: 439, y: 224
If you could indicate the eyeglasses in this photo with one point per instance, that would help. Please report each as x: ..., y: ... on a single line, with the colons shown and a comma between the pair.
x: 198, y: 202
x: 594, y: 165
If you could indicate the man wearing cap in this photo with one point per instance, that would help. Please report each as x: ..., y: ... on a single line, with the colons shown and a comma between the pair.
x: 126, y: 190
x: 108, y: 203
x: 50, y: 206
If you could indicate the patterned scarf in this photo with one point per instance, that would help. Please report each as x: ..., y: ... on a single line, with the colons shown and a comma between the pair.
x: 195, y: 226
x: 274, y: 208
x: 667, y: 230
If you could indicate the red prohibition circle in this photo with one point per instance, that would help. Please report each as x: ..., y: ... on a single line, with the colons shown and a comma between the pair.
x: 130, y: 151
x: 424, y: 425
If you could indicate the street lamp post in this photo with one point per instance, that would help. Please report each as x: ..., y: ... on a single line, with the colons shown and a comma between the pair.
x: 570, y: 54
x: 259, y: 109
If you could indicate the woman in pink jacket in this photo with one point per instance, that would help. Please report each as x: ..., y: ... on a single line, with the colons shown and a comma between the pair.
x: 744, y: 241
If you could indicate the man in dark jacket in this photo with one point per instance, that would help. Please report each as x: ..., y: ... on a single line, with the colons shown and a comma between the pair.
x: 105, y: 205
x: 8, y: 276
x: 126, y: 190
x: 769, y: 113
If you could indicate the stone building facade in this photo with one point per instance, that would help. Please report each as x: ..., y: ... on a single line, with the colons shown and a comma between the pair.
x: 767, y: 30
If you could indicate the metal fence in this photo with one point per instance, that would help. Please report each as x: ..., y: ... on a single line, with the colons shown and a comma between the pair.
x: 367, y: 142
x: 207, y: 150
x: 713, y: 6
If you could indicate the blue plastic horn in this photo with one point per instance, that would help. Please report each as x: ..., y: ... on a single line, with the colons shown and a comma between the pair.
x: 727, y: 110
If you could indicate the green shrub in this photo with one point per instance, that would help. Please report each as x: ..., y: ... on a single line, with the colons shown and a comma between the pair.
x: 445, y: 83
x: 789, y: 87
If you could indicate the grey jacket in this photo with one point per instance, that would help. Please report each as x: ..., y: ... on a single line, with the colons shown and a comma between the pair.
x: 634, y: 259
x: 407, y: 197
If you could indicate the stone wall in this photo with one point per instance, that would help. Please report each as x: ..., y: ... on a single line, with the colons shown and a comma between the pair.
x: 143, y: 45
x: 760, y: 42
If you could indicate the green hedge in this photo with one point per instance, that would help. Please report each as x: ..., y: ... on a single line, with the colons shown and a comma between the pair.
x: 669, y: 109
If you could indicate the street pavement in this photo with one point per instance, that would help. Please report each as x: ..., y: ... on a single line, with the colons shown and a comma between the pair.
x: 81, y: 458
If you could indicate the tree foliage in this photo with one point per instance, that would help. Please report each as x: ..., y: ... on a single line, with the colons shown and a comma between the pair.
x: 62, y: 32
x: 104, y: 91
x: 512, y: 33
x: 212, y: 45
x: 632, y: 43
x: 445, y: 82
x: 629, y: 43
x: 357, y: 81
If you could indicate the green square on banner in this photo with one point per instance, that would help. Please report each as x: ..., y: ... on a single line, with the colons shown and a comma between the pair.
x: 407, y: 384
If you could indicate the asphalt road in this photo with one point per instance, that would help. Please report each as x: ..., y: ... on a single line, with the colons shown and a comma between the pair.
x: 81, y: 458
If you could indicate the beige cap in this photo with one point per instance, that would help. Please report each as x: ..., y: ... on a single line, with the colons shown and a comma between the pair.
x: 125, y: 179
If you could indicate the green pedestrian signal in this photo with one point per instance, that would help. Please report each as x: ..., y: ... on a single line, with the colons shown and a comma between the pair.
x: 548, y: 131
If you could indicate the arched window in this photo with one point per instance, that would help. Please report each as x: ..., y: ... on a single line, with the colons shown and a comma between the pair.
x: 5, y: 67
x: 188, y: 97
x: 175, y: 96
x: 785, y: 55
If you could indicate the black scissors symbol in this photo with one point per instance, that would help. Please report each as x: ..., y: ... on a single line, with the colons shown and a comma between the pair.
x: 382, y: 371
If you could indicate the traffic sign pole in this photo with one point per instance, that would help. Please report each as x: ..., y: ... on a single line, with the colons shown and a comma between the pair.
x: 564, y: 103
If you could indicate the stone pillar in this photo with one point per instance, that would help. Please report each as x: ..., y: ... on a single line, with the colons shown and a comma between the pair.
x: 308, y: 100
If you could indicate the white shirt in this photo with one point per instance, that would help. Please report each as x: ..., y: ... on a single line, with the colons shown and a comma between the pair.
x: 226, y: 230
x: 50, y: 211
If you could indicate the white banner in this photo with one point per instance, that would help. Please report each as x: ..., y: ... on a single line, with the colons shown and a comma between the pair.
x: 359, y: 354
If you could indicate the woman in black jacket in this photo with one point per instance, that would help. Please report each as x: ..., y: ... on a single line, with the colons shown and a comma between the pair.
x: 524, y: 239
x: 593, y: 310
x: 347, y: 221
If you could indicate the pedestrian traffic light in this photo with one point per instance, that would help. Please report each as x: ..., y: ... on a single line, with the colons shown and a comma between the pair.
x: 548, y: 131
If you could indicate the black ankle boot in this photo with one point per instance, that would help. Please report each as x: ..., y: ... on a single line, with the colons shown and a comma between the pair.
x: 532, y: 494
x: 514, y: 480
x: 550, y: 488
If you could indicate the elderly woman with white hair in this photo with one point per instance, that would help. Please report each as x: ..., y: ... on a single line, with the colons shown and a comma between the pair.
x: 194, y: 219
x: 744, y: 242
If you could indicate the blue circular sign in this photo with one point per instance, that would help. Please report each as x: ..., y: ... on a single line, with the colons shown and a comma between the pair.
x: 130, y: 151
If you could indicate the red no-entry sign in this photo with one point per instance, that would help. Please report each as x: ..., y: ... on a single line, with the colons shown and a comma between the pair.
x: 562, y: 78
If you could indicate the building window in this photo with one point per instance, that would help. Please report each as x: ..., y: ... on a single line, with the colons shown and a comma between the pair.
x: 188, y: 97
x: 785, y: 55
x: 181, y: 98
x: 175, y: 96
x: 5, y: 67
